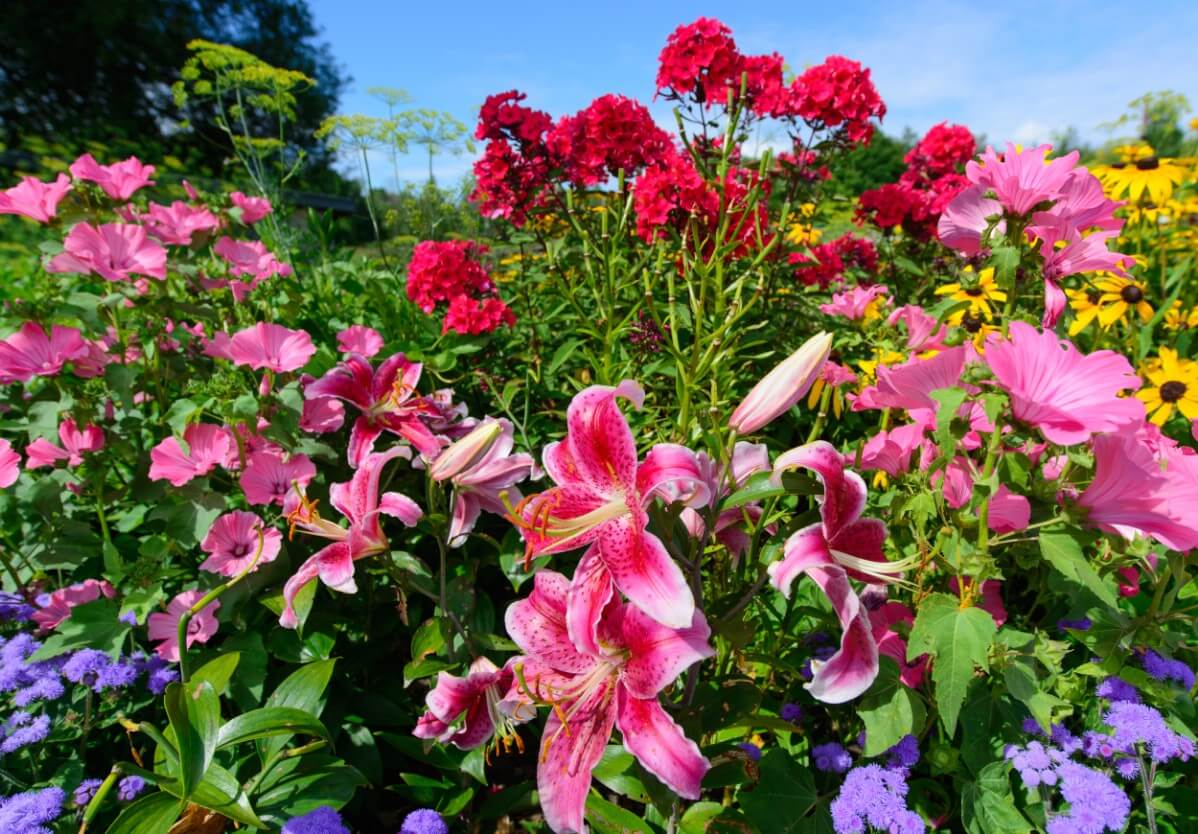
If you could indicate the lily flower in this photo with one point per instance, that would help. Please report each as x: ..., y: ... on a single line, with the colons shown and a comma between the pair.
x: 591, y: 692
x: 600, y: 497
x: 485, y: 482
x: 387, y: 398
x: 467, y: 712
x: 359, y: 501
x: 783, y: 386
x: 75, y: 443
x: 840, y: 545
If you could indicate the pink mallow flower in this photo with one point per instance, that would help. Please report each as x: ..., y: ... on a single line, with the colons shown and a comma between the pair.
x: 75, y: 443
x: 207, y: 447
x: 177, y: 223
x: 840, y: 545
x: 119, y: 180
x: 965, y: 219
x: 165, y: 627
x: 238, y: 540
x: 10, y: 465
x: 599, y: 498
x: 597, y: 685
x: 250, y: 258
x: 910, y: 385
x: 1008, y: 511
x: 58, y: 607
x: 360, y: 339
x: 1022, y: 179
x: 1064, y: 393
x: 30, y: 352
x: 35, y: 199
x: 854, y: 303
x: 359, y: 501
x: 114, y: 251
x: 269, y: 477
x: 485, y: 483
x: 481, y: 700
x: 271, y: 346
x: 253, y: 209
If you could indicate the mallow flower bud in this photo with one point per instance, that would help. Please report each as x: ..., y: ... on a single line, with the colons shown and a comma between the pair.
x: 783, y: 386
x: 465, y: 452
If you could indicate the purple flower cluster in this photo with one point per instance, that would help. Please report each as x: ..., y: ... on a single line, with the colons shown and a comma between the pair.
x: 29, y: 812
x: 95, y: 669
x: 129, y: 788
x: 29, y: 682
x: 21, y: 730
x: 1116, y: 689
x: 1166, y: 669
x: 86, y: 790
x: 791, y: 712
x: 1138, y: 726
x: 876, y: 797
x: 1096, y: 804
x: 1035, y: 763
x: 831, y: 757
x: 14, y: 608
x: 322, y: 820
x: 905, y: 754
x: 424, y: 821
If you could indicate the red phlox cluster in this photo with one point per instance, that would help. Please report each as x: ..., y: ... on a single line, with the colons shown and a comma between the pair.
x: 612, y: 134
x: 451, y: 271
x: 515, y: 164
x: 827, y: 262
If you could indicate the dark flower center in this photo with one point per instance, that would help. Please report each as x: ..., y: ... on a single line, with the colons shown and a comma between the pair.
x: 1172, y: 391
x: 1132, y: 294
x: 1148, y: 163
x: 1094, y: 296
x: 973, y: 292
x: 240, y: 549
x: 1118, y: 165
x: 971, y: 323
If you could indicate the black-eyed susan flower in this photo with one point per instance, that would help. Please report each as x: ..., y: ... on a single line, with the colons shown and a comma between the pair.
x: 1177, y: 318
x: 1170, y: 383
x: 979, y: 290
x: 1151, y: 176
x: 1108, y: 300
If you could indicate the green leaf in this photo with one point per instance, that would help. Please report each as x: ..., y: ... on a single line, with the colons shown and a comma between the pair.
x: 270, y: 721
x: 154, y: 813
x: 890, y: 710
x: 696, y: 816
x: 1061, y: 548
x: 950, y: 401
x: 607, y: 818
x: 561, y: 355
x: 784, y: 796
x: 218, y: 671
x: 418, y: 669
x: 219, y: 792
x: 303, y: 690
x: 987, y: 806
x: 194, y: 712
x: 612, y: 773
x: 180, y: 414
x: 759, y: 487
x: 958, y: 639
x: 93, y: 625
x: 427, y: 640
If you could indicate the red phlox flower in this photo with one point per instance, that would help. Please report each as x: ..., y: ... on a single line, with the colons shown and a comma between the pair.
x: 699, y: 58
x: 611, y: 134
x: 838, y: 94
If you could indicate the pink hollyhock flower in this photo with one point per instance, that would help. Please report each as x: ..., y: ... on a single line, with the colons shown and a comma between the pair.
x: 1083, y: 205
x: 748, y: 459
x: 854, y: 303
x: 910, y: 385
x: 119, y: 180
x: 253, y: 209
x: 271, y: 346
x: 114, y: 251
x: 1021, y: 179
x: 891, y: 643
x: 961, y: 225
x: 268, y: 477
x: 599, y: 497
x: 1066, y: 394
x: 178, y: 222
x: 359, y: 501
x: 30, y: 352
x: 923, y: 331
x: 387, y: 398
x: 322, y: 415
x: 35, y: 199
x: 597, y: 685
x: 360, y: 339
x: 250, y: 258
x: 484, y: 484
x: 165, y: 627
x: 75, y: 443
x: 1130, y: 494
x: 841, y: 544
x: 207, y: 447
x: 58, y: 607
x: 482, y: 698
x: 233, y: 542
x: 783, y: 386
x: 891, y: 451
x: 10, y: 465
x: 1008, y: 512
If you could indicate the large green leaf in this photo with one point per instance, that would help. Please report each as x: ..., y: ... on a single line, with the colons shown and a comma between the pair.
x: 783, y: 797
x: 608, y: 818
x: 194, y: 712
x: 218, y: 671
x: 219, y: 791
x: 958, y: 639
x: 154, y: 813
x: 303, y: 690
x: 1062, y: 549
x: 987, y: 806
x: 890, y: 710
x: 270, y: 721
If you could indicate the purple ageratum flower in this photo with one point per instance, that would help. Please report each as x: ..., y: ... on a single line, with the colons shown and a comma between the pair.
x: 751, y: 750
x: 48, y: 688
x: 831, y: 757
x: 1065, y: 740
x: 1166, y: 669
x: 29, y: 812
x: 1035, y: 763
x: 1081, y: 624
x: 14, y: 608
x: 117, y: 675
x: 1032, y: 727
x: 1128, y: 768
x: 323, y: 820
x: 1098, y: 746
x: 84, y: 667
x: 876, y: 796
x: 424, y: 821
x: 21, y: 730
x: 86, y: 790
x: 1096, y: 804
x: 159, y: 673
x: 129, y: 617
x: 14, y: 671
x: 791, y: 712
x: 1116, y: 689
x: 905, y: 754
x: 1137, y: 725
x: 129, y: 788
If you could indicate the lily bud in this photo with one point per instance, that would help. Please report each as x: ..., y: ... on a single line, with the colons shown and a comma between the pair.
x: 466, y: 452
x: 783, y: 386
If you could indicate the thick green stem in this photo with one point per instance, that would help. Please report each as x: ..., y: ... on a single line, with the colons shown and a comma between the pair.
x: 93, y: 807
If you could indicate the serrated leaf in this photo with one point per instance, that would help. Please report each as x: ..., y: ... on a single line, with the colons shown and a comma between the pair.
x: 1061, y: 549
x: 784, y: 796
x: 958, y: 639
x: 890, y: 711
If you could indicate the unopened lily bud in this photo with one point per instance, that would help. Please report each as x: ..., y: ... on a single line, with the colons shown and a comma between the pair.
x: 783, y: 386
x: 466, y: 452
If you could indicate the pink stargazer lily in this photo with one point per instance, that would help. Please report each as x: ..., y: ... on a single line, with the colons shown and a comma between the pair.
x: 359, y: 501
x: 76, y: 442
x: 481, y: 700
x: 600, y: 497
x: 483, y: 484
x: 387, y: 398
x: 841, y: 544
x: 593, y: 690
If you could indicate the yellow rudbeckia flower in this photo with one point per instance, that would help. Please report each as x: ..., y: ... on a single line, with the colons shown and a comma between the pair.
x: 1171, y: 383
x: 979, y: 291
x: 1152, y: 176
x: 1108, y: 300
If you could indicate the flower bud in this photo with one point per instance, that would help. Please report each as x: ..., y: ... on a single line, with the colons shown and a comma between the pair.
x: 466, y: 452
x: 783, y: 386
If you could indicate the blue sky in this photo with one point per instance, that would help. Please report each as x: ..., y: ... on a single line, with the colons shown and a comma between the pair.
x: 1011, y: 70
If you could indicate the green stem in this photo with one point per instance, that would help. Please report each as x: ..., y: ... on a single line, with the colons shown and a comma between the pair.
x: 93, y: 807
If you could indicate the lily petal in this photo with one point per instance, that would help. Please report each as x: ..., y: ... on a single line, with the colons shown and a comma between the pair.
x: 669, y: 463
x: 538, y: 624
x: 591, y: 590
x: 659, y: 744
x: 657, y: 654
x: 643, y: 570
x: 569, y: 755
x: 600, y: 441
